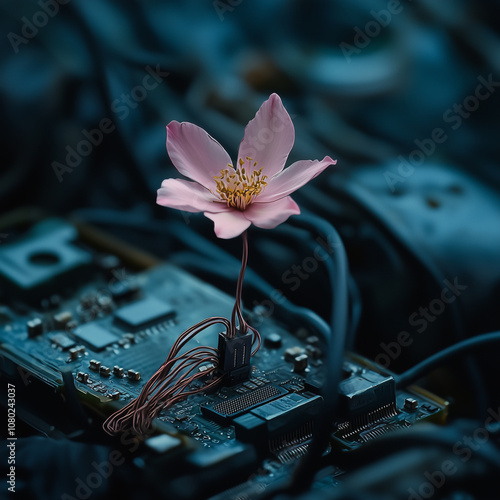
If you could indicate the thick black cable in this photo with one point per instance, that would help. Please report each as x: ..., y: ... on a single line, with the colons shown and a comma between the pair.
x: 350, y: 193
x: 338, y: 268
x: 460, y: 349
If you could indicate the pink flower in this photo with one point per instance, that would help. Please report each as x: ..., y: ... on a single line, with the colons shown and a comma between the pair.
x: 256, y: 191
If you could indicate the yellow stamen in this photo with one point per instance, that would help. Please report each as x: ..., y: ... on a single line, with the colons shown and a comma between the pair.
x: 239, y: 190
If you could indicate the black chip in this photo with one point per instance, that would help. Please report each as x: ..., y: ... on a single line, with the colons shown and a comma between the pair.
x: 225, y: 411
x: 143, y: 313
x: 276, y: 417
x: 95, y: 336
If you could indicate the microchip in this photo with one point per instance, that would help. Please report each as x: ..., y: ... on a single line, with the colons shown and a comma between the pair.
x: 143, y: 313
x: 95, y: 336
x: 365, y: 392
x: 277, y: 416
x: 225, y: 411
x: 61, y: 340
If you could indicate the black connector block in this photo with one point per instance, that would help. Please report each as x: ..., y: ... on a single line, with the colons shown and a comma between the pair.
x: 234, y: 358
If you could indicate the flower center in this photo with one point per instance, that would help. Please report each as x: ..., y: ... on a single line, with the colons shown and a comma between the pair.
x: 238, y: 188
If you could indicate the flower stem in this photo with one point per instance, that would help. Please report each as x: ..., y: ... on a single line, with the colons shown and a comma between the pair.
x: 243, y: 327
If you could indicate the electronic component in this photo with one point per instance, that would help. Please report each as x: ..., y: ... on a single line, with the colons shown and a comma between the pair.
x: 74, y: 352
x: 34, y: 327
x: 62, y: 319
x: 143, y: 313
x: 365, y: 397
x: 82, y: 377
x: 314, y: 352
x: 114, y: 395
x: 292, y: 352
x: 227, y: 410
x: 104, y: 371
x: 118, y: 371
x: 234, y: 357
x: 410, y: 404
x: 273, y: 340
x: 365, y: 391
x: 300, y: 363
x: 94, y: 365
x: 278, y: 416
x: 134, y: 375
x: 61, y: 340
x: 95, y: 336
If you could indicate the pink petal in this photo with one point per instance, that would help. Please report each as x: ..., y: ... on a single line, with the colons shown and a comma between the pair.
x: 228, y: 224
x: 293, y: 178
x: 269, y: 215
x: 187, y: 196
x: 268, y: 137
x: 195, y: 154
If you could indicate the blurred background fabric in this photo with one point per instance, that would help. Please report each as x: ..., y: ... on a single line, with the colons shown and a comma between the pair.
x: 405, y: 94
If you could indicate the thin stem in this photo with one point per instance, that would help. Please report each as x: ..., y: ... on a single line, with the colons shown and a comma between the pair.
x: 243, y: 326
x: 239, y: 290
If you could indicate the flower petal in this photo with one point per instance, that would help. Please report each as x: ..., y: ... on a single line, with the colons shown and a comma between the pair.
x: 228, y: 224
x: 293, y: 178
x: 194, y: 153
x: 269, y: 215
x: 268, y: 137
x: 187, y: 196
